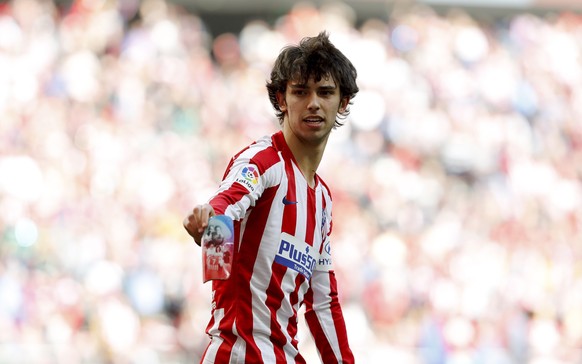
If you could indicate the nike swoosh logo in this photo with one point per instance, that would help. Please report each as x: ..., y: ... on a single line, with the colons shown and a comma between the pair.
x: 288, y: 202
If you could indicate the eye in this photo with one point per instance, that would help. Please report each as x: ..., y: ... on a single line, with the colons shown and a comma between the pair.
x: 326, y: 92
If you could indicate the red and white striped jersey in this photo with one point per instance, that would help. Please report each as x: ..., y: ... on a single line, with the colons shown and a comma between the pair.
x: 282, y: 260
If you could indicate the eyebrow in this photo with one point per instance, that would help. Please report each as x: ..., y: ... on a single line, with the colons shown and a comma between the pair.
x: 302, y: 85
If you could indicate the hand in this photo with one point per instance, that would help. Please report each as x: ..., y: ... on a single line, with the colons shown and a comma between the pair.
x: 197, y: 221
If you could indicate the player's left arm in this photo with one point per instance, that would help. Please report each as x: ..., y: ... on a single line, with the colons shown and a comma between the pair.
x: 325, y: 319
x: 324, y: 314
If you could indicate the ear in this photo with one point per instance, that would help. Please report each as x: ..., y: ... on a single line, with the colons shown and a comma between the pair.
x: 344, y: 104
x: 281, y: 101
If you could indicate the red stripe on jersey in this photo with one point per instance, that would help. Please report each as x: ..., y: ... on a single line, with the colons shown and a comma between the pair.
x: 292, y: 323
x: 311, y: 210
x: 290, y: 210
x: 228, y: 197
x: 265, y: 159
x: 224, y: 351
x: 275, y: 296
x: 338, y: 317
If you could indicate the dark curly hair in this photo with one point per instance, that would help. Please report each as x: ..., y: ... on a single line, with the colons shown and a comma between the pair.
x: 317, y: 58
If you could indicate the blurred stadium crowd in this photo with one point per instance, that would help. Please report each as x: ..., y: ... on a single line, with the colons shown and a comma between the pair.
x: 456, y: 179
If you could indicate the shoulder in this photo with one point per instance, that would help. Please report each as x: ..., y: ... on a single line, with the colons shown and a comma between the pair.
x: 261, y: 153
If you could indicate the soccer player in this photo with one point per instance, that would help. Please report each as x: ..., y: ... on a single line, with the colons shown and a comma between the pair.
x: 282, y: 220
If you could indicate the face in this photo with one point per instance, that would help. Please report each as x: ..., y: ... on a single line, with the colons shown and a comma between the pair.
x: 311, y: 109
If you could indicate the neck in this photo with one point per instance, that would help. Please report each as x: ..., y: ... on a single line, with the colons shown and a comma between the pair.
x: 308, y: 156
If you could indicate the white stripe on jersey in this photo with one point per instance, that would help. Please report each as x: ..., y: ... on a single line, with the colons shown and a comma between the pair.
x: 237, y: 355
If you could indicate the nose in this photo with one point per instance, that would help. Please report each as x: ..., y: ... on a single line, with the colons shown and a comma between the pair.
x: 313, y: 103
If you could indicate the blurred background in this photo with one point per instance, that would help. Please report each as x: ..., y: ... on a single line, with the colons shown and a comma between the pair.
x: 456, y: 179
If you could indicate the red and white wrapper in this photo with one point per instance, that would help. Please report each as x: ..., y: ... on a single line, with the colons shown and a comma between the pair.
x: 217, y: 248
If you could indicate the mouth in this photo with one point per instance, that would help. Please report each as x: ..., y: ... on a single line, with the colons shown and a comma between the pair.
x: 313, y: 119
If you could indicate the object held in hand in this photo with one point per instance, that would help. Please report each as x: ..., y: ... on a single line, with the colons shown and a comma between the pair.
x: 217, y: 248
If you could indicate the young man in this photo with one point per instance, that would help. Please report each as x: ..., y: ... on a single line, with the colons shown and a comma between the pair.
x: 282, y: 220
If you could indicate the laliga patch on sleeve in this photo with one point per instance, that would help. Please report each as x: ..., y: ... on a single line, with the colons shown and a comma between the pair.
x: 248, y: 177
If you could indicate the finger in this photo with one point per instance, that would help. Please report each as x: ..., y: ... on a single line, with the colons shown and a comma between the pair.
x: 189, y: 224
x: 192, y: 221
x: 205, y: 212
x: 202, y: 220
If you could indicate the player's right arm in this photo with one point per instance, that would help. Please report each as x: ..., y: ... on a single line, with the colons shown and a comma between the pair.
x: 197, y: 221
x: 242, y: 185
